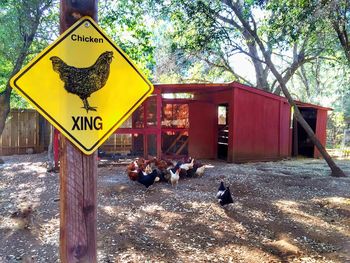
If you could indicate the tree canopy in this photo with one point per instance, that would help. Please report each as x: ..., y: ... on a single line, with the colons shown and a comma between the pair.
x: 205, y: 41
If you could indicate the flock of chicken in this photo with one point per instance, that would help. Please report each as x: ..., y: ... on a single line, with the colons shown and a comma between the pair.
x: 147, y: 172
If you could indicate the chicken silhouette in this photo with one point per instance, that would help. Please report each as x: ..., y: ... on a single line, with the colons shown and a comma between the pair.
x: 84, y: 81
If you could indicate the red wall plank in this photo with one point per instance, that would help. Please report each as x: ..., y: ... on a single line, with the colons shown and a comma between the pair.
x: 257, y: 127
x: 202, y: 117
x: 285, y: 129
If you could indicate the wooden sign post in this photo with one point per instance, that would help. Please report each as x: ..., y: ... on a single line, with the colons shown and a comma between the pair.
x: 58, y: 82
x: 78, y: 173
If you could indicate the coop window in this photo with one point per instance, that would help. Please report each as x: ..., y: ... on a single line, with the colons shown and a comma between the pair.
x: 139, y: 115
x: 152, y: 145
x: 175, y: 143
x: 152, y: 111
x: 222, y: 115
x: 175, y: 116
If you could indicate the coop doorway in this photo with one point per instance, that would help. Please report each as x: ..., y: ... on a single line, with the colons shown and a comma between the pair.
x: 223, y: 132
x: 302, y: 145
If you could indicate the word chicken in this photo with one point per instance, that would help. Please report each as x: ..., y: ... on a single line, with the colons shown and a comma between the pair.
x: 82, y: 38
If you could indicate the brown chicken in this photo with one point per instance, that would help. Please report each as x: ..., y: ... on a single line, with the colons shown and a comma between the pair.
x: 132, y: 170
x: 84, y: 81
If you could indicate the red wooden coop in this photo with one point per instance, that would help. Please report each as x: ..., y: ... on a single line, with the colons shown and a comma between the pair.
x: 230, y: 121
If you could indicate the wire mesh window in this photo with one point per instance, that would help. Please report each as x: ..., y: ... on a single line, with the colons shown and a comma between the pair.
x: 152, y: 111
x: 152, y: 144
x: 139, y: 114
x: 175, y: 116
x: 175, y: 143
x: 138, y: 117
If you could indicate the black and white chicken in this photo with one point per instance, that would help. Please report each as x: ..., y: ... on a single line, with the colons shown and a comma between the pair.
x: 224, y: 195
x: 147, y: 179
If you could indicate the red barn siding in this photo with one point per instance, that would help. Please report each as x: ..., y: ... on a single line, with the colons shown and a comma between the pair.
x: 202, y: 118
x: 285, y: 130
x: 257, y: 127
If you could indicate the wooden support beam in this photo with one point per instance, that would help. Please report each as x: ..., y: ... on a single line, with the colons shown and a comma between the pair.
x: 182, y: 147
x: 159, y: 123
x: 56, y: 154
x: 145, y: 136
x: 295, y: 138
x: 174, y: 142
x: 78, y: 173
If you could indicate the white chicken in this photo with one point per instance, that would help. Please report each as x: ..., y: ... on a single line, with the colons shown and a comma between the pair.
x: 200, y: 170
x: 174, y: 178
x: 187, y: 166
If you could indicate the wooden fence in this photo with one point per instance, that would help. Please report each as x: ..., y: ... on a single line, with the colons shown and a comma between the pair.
x: 25, y: 132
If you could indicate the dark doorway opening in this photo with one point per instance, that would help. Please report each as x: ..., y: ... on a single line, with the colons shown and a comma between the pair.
x: 302, y: 144
x: 223, y: 131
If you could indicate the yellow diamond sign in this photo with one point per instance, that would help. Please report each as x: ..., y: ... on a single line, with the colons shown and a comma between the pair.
x: 83, y: 84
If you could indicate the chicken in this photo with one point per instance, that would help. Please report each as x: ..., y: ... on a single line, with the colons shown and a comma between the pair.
x: 84, y: 81
x: 161, y: 167
x: 224, y: 195
x: 148, y: 169
x: 220, y: 190
x: 133, y: 175
x: 200, y: 170
x: 177, y: 165
x: 147, y: 179
x: 132, y: 171
x: 137, y: 167
x: 174, y: 179
x: 187, y: 166
x: 191, y: 172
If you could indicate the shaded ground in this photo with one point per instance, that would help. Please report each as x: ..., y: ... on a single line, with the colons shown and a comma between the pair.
x: 288, y: 211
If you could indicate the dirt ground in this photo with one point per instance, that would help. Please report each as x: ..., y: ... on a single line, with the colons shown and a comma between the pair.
x: 287, y: 211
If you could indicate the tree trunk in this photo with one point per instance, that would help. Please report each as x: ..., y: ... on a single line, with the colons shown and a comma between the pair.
x: 6, y: 94
x: 22, y: 54
x: 260, y: 73
x: 4, y: 108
